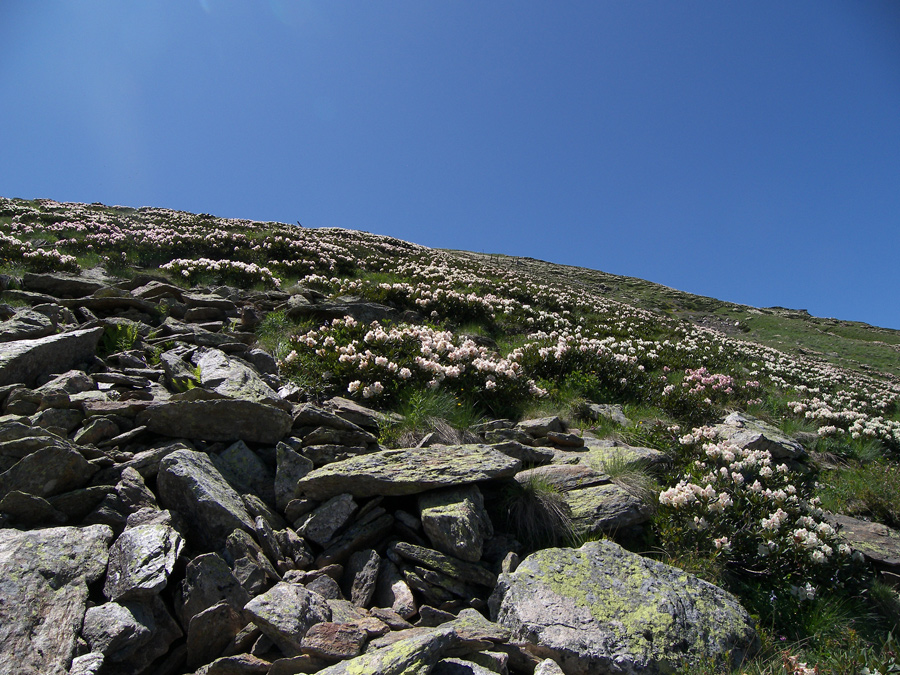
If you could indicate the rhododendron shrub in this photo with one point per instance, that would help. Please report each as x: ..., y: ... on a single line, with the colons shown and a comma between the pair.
x: 373, y: 361
x: 754, y: 513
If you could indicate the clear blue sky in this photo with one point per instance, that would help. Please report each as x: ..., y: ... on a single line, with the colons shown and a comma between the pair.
x: 748, y: 151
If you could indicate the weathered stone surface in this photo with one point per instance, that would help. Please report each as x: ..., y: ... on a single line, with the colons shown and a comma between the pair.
x: 308, y: 415
x: 210, y: 632
x: 28, y: 510
x: 879, y: 543
x: 28, y: 360
x: 597, y: 411
x: 456, y: 522
x: 44, y: 577
x: 603, y: 451
x: 251, y: 567
x: 235, y: 379
x: 117, y: 630
x: 540, y: 427
x: 327, y: 587
x: 548, y: 667
x: 285, y: 612
x: 191, y: 486
x: 239, y: 664
x: 602, y: 609
x: 246, y: 472
x: 361, y: 575
x: 746, y: 431
x: 218, y: 420
x: 321, y: 525
x: 61, y: 285
x: 605, y: 508
x: 291, y: 467
x: 416, y: 655
x: 361, y: 416
x: 363, y: 534
x: 208, y: 581
x: 49, y: 471
x: 453, y: 666
x: 408, y: 471
x: 141, y: 561
x: 464, y: 571
x: 334, y: 641
x: 26, y: 325
x: 393, y: 593
x: 563, y: 477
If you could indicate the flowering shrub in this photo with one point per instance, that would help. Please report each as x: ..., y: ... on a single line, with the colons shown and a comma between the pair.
x: 228, y: 270
x: 376, y: 362
x: 755, y: 514
x: 15, y: 251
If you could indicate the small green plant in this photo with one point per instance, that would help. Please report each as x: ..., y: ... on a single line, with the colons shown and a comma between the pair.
x: 864, y: 489
x: 537, y: 514
x: 117, y: 337
x: 424, y: 411
x: 628, y: 471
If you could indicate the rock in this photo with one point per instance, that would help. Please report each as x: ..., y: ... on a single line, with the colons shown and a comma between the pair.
x: 210, y: 632
x: 252, y: 568
x: 246, y: 472
x: 456, y: 522
x: 594, y: 412
x: 361, y: 575
x: 600, y: 453
x: 208, y: 581
x: 361, y: 535
x: 540, y: 427
x: 308, y: 415
x: 327, y: 587
x: 49, y: 471
x: 26, y: 325
x: 217, y: 420
x: 602, y: 609
x: 564, y: 440
x: 460, y: 667
x: 879, y: 543
x: 61, y: 285
x: 141, y: 561
x: 392, y: 592
x: 748, y: 432
x: 324, y: 522
x: 87, y: 664
x: 464, y: 571
x: 563, y: 477
x: 605, y: 508
x: 29, y: 360
x: 117, y: 630
x: 548, y: 667
x: 233, y: 378
x: 240, y: 664
x: 409, y: 471
x: 44, y: 577
x: 28, y: 510
x: 359, y: 415
x: 285, y: 613
x: 291, y: 467
x: 416, y: 655
x: 333, y: 641
x: 191, y: 486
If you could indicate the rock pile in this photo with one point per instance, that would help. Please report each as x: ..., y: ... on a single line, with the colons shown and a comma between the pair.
x: 169, y: 505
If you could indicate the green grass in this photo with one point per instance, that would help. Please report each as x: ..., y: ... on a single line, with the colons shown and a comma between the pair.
x: 425, y: 411
x: 537, y: 514
x: 870, y: 490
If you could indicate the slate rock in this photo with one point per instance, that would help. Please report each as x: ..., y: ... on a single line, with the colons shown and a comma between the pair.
x: 879, y: 543
x: 29, y: 360
x: 327, y: 587
x: 26, y: 325
x: 211, y: 631
x: 456, y: 522
x: 393, y: 593
x: 605, y: 508
x: 233, y: 378
x: 117, y: 630
x: 61, y: 285
x: 291, y: 467
x: 361, y: 575
x: 208, y: 581
x: 540, y: 427
x: 334, y: 641
x: 324, y: 522
x: 458, y: 569
x: 285, y: 613
x: 29, y: 510
x: 408, y: 471
x: 602, y: 609
x: 246, y: 472
x: 453, y: 666
x: 44, y: 577
x: 217, y: 420
x: 50, y: 471
x: 140, y: 562
x: 190, y: 485
x: 239, y: 664
x: 416, y: 655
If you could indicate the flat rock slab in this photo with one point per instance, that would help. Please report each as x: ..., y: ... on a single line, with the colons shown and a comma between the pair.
x: 218, y: 420
x: 413, y: 656
x: 879, y: 543
x: 745, y: 431
x: 44, y: 577
x: 605, y: 508
x: 28, y: 360
x: 408, y: 471
x: 601, y: 609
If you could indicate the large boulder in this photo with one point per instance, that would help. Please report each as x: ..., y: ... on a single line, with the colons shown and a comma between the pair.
x: 233, y: 378
x: 218, y: 420
x: 408, y: 471
x: 29, y: 360
x: 286, y: 612
x: 601, y: 609
x: 26, y: 324
x: 44, y: 577
x: 191, y: 486
x: 746, y: 431
x: 141, y: 561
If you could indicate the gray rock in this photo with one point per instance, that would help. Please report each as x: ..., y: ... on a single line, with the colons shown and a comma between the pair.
x: 746, y: 431
x: 217, y: 420
x: 361, y: 575
x: 563, y: 477
x: 453, y: 666
x: 610, y: 411
x: 285, y: 612
x: 49, y: 471
x: 603, y: 452
x: 366, y: 533
x: 408, y: 471
x: 251, y: 567
x: 548, y: 667
x: 44, y: 577
x: 327, y: 587
x: 133, y: 492
x: 605, y: 508
x: 415, y: 655
x: 26, y: 325
x: 458, y: 569
x: 324, y: 522
x: 117, y: 630
x: 602, y: 609
x: 87, y: 664
x: 456, y: 522
x: 28, y: 510
x: 192, y: 487
x: 235, y: 379
x: 540, y: 427
x: 359, y: 415
x: 210, y: 632
x: 29, y: 360
x: 291, y: 467
x: 309, y: 415
x: 207, y: 582
x: 61, y: 285
x: 879, y: 543
x: 141, y: 561
x: 334, y: 641
x: 392, y: 592
x: 239, y: 664
x: 246, y: 472
x: 59, y: 420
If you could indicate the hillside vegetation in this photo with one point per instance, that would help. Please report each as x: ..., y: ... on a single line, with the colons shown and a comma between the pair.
x: 452, y: 341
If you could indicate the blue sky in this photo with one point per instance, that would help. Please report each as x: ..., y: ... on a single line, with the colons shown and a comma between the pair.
x: 748, y: 151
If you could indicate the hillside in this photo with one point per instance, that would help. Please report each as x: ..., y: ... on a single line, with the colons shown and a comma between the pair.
x: 325, y: 416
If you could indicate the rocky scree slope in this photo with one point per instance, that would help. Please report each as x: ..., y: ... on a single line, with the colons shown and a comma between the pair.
x: 176, y: 499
